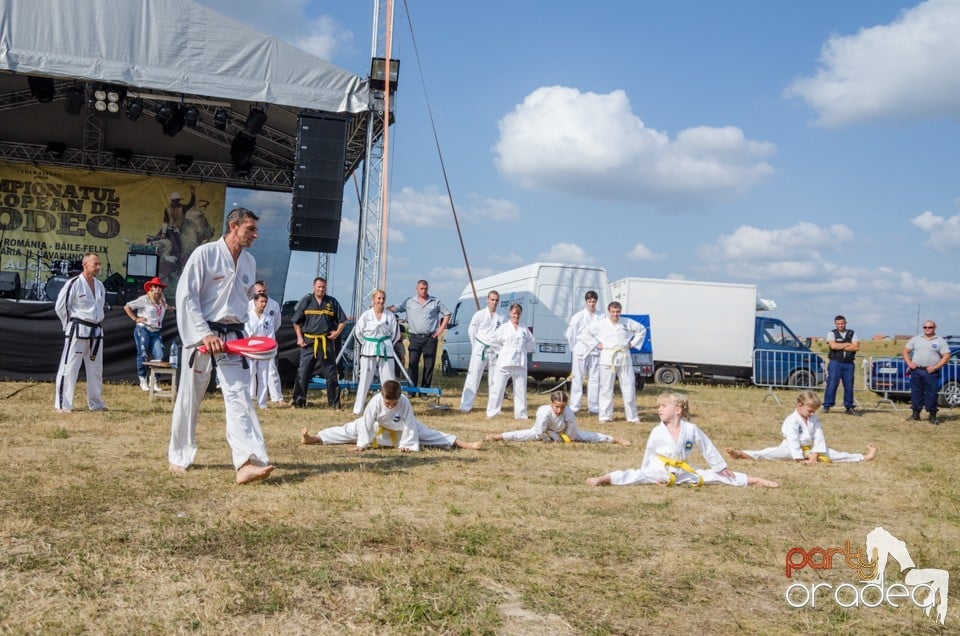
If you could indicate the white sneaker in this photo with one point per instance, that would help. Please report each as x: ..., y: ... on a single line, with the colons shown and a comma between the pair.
x: 143, y: 384
x: 154, y: 385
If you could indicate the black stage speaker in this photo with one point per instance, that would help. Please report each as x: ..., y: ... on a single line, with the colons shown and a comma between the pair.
x: 10, y: 285
x: 318, y: 183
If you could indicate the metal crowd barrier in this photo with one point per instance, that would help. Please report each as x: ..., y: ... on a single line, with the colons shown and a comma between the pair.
x: 886, y: 377
x: 779, y: 369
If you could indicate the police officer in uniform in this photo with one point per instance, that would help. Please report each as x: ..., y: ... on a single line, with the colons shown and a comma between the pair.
x: 844, y: 345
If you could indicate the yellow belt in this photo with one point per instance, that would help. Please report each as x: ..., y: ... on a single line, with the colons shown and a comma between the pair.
x: 381, y: 431
x: 682, y: 465
x: 564, y: 437
x: 317, y: 339
x: 821, y: 457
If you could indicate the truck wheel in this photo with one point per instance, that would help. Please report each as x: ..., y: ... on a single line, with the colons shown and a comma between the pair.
x: 950, y: 394
x: 446, y: 369
x: 667, y: 375
x: 801, y: 379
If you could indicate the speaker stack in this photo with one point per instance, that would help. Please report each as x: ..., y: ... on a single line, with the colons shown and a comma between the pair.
x: 318, y: 183
x: 10, y: 285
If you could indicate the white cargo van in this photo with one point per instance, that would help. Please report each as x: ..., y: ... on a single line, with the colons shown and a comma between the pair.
x: 550, y: 294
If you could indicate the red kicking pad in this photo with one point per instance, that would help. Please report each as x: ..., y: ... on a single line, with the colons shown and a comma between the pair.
x: 255, y: 348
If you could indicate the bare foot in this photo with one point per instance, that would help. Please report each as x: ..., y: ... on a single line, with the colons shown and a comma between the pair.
x: 737, y: 454
x: 493, y: 438
x: 760, y: 481
x: 469, y: 445
x: 602, y: 480
x: 177, y: 470
x: 249, y: 473
x: 622, y: 442
x: 871, y: 452
x: 307, y: 438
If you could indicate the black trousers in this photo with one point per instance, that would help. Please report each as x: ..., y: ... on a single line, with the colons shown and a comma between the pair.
x: 324, y: 366
x: 422, y: 345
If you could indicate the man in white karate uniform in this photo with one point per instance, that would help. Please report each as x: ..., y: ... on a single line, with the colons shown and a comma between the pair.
x: 482, y: 327
x: 80, y: 309
x: 585, y: 361
x: 212, y: 296
x: 614, y: 337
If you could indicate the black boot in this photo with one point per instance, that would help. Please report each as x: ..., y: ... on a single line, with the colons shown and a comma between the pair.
x: 915, y: 417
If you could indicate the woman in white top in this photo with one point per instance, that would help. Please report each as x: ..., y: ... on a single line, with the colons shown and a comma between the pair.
x: 376, y: 332
x: 512, y: 342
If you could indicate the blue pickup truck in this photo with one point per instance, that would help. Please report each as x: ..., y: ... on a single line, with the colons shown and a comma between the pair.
x: 888, y: 376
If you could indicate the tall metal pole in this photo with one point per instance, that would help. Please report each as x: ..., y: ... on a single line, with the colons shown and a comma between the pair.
x: 372, y: 234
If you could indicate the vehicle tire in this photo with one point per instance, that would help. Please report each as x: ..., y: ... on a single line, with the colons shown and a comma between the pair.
x: 640, y: 381
x: 446, y: 369
x: 949, y: 396
x: 801, y: 378
x: 667, y: 375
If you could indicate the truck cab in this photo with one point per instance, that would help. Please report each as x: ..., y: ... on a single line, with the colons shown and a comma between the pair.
x: 781, y: 359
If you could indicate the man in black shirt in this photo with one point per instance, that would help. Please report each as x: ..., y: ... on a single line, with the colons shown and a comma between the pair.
x: 318, y: 321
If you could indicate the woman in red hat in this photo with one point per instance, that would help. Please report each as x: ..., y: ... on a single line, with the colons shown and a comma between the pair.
x: 148, y: 312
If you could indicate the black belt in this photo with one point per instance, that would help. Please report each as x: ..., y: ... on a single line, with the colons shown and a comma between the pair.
x: 96, y: 334
x: 223, y: 329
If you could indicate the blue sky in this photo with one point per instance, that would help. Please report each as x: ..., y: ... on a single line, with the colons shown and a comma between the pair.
x: 807, y: 148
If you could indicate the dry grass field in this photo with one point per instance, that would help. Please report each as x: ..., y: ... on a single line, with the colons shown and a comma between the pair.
x: 97, y: 536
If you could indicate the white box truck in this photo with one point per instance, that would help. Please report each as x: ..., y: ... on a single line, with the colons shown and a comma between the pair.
x: 712, y: 331
x: 550, y: 294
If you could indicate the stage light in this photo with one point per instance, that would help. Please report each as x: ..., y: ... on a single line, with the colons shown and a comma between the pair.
x: 42, y: 88
x: 183, y: 162
x: 73, y: 104
x: 56, y: 149
x: 122, y: 156
x: 221, y: 118
x: 134, y: 109
x: 107, y: 98
x: 191, y: 116
x: 171, y: 119
x: 241, y: 151
x: 255, y: 121
x: 378, y: 74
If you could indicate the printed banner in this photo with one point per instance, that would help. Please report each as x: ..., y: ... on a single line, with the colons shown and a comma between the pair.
x: 51, y: 216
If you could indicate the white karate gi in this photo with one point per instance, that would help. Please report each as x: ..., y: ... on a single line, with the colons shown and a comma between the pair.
x: 798, y: 433
x: 549, y: 426
x: 615, y: 362
x: 75, y: 302
x: 375, y: 339
x: 661, y: 444
x: 260, y: 369
x: 482, y: 356
x: 584, y: 361
x: 388, y: 427
x: 273, y: 375
x: 212, y: 288
x: 512, y: 345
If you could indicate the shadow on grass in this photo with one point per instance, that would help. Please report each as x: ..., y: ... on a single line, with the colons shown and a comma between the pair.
x: 369, y: 461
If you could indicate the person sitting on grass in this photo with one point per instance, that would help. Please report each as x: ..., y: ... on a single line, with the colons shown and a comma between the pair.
x: 387, y: 420
x: 803, y: 439
x: 668, y: 448
x: 557, y: 422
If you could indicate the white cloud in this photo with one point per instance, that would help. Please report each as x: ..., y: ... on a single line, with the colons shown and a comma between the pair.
x: 905, y: 69
x: 592, y: 145
x: 431, y: 208
x: 755, y: 244
x: 943, y: 234
x: 566, y: 253
x: 641, y: 252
